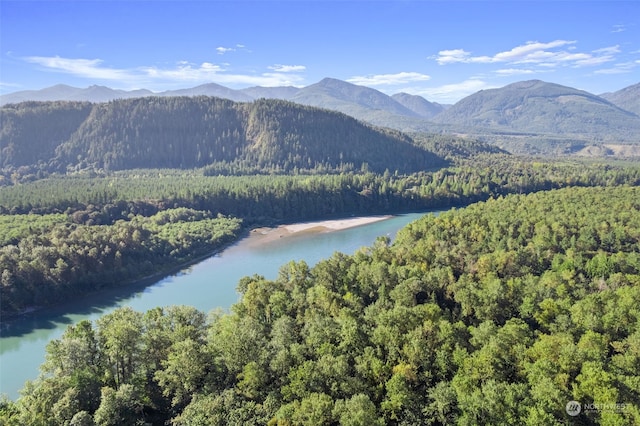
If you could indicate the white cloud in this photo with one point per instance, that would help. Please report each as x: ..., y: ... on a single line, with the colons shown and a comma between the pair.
x: 608, y: 50
x: 620, y: 68
x: 275, y: 80
x: 222, y: 50
x: 8, y: 87
x: 184, y: 71
x: 514, y: 71
x: 592, y: 61
x: 552, y: 58
x: 4, y: 84
x: 90, y: 68
x: 389, y: 79
x: 533, y: 52
x: 451, y: 93
x: 618, y: 28
x: 452, y: 56
x: 529, y: 51
x: 287, y: 68
x: 206, y: 72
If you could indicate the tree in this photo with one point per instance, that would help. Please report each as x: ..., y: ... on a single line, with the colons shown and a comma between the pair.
x: 358, y: 410
x: 119, y: 407
x: 184, y: 371
x: 120, y: 337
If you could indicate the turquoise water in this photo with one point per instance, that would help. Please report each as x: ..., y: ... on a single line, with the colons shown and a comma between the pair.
x: 206, y: 285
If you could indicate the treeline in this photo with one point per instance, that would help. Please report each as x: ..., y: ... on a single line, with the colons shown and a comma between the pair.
x: 48, y: 259
x: 191, y: 132
x: 499, y: 313
x: 453, y: 148
x: 278, y: 198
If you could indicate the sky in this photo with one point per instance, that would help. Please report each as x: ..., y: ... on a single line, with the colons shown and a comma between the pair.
x: 441, y: 50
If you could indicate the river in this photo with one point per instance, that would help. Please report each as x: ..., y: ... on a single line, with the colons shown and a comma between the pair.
x: 206, y: 285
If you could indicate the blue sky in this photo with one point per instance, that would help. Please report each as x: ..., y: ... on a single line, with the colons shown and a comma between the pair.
x: 442, y: 50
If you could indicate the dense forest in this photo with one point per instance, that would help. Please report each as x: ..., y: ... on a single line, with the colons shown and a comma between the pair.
x: 498, y: 313
x: 501, y: 312
x: 67, y: 236
x: 113, y: 196
x: 46, y: 259
x: 184, y: 132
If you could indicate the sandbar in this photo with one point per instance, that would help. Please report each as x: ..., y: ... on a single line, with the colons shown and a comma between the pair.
x: 265, y: 234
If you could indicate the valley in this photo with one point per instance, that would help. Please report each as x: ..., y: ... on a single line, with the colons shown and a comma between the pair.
x: 457, y: 310
x: 319, y: 213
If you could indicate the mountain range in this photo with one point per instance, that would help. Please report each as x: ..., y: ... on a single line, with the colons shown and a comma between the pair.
x: 528, y: 116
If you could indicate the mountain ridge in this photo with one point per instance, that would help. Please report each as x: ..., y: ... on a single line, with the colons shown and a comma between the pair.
x: 62, y: 92
x: 627, y: 98
x: 546, y: 114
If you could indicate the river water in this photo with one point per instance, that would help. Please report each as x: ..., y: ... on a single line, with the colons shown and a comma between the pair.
x: 206, y: 285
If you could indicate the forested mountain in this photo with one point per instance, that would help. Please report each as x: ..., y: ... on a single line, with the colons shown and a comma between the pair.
x: 187, y: 132
x: 538, y: 107
x: 627, y: 98
x: 31, y: 132
x: 419, y: 105
x: 496, y: 314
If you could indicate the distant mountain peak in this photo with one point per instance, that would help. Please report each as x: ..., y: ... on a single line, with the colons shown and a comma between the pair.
x: 539, y: 107
x: 330, y: 81
x: 418, y: 105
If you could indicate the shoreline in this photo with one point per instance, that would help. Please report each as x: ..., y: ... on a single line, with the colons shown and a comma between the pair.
x: 125, y: 287
x: 253, y: 237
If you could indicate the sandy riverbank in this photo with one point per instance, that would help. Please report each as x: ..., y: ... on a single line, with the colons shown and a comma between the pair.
x: 265, y: 235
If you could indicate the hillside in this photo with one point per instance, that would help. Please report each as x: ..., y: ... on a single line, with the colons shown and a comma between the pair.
x: 188, y: 132
x: 419, y: 105
x: 30, y: 132
x: 627, y: 98
x: 537, y: 107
